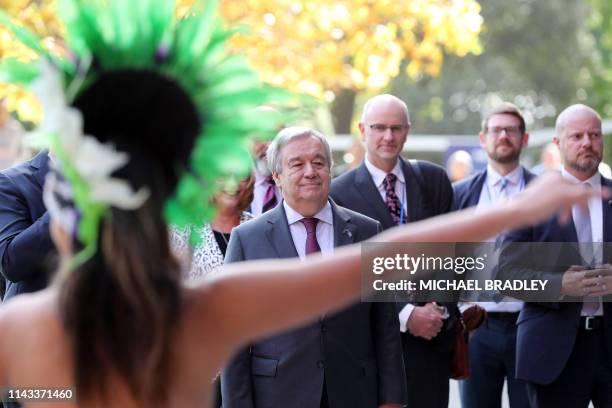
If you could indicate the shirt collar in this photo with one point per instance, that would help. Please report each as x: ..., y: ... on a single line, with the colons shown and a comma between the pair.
x: 594, y: 181
x: 494, y: 178
x: 378, y: 176
x: 324, y: 214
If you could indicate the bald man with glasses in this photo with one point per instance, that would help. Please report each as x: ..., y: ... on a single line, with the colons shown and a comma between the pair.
x: 395, y: 191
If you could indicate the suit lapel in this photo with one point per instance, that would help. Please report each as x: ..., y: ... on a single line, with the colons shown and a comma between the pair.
x: 366, y: 188
x: 476, y: 190
x: 344, y: 230
x: 278, y: 234
x: 414, y: 195
x: 528, y: 176
x: 606, y: 207
x: 40, y: 167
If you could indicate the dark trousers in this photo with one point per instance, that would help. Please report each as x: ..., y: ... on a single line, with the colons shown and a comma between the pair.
x: 492, y: 361
x: 586, y: 377
x: 324, y: 399
x: 427, y: 374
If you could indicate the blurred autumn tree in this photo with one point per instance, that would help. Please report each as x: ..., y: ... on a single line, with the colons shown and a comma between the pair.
x: 540, y: 67
x: 38, y: 16
x: 331, y: 49
x: 337, y: 48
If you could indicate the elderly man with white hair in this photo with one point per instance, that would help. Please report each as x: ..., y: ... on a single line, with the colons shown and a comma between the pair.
x: 351, y: 358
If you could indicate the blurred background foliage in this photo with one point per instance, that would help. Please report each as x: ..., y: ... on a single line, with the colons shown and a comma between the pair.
x: 450, y: 60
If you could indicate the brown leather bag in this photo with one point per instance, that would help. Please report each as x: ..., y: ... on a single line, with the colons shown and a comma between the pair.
x: 473, y: 317
x: 460, y: 360
x: 469, y: 320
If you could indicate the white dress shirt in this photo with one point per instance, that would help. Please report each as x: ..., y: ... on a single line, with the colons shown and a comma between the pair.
x: 491, y: 188
x: 490, y: 194
x: 378, y: 176
x: 325, y: 229
x: 596, y: 212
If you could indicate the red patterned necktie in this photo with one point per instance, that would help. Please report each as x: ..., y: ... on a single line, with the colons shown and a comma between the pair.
x: 269, y: 200
x: 393, y: 203
x: 312, y: 245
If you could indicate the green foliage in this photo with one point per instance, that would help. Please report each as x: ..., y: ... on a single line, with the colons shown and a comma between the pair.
x: 537, y: 53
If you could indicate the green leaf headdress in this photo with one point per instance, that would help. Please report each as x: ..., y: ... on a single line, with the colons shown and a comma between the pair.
x: 112, y: 35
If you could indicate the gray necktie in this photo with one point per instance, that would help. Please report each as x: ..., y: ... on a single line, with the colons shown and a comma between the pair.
x: 503, y: 185
x: 582, y: 221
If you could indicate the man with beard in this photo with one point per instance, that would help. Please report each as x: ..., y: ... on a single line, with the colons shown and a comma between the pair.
x: 564, y: 347
x: 493, y: 345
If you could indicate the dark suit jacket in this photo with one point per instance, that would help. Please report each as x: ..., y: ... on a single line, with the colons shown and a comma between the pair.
x: 25, y: 242
x: 356, y: 190
x: 356, y: 351
x: 547, y: 330
x: 467, y: 192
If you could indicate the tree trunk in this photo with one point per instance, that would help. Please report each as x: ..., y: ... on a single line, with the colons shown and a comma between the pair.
x: 342, y: 111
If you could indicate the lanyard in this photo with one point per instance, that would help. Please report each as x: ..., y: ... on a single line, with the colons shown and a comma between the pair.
x: 402, y: 203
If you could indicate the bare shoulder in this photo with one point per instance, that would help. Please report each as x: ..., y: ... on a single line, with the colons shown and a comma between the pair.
x: 27, y: 310
x: 25, y: 320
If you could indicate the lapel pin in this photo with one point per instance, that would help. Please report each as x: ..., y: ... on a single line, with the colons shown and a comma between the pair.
x: 349, y: 234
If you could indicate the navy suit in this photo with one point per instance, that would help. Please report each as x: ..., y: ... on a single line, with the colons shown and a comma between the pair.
x: 427, y: 362
x: 25, y: 241
x: 467, y: 191
x: 355, y: 354
x: 492, y: 347
x: 551, y: 346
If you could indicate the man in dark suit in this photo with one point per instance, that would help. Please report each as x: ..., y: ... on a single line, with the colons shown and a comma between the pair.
x: 564, y: 347
x: 392, y: 191
x: 492, y: 347
x: 266, y: 194
x: 25, y: 241
x: 351, y: 358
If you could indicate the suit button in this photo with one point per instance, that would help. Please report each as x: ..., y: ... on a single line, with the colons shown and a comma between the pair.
x: 320, y: 364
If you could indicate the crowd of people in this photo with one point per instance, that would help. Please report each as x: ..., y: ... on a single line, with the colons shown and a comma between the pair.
x: 369, y: 354
x: 259, y: 307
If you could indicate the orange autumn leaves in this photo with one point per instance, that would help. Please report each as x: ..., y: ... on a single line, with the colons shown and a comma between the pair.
x: 321, y: 46
x: 312, y: 46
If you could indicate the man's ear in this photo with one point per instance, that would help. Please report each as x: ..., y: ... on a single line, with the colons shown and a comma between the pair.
x: 483, y: 139
x: 525, y: 139
x: 362, y: 131
x: 276, y: 177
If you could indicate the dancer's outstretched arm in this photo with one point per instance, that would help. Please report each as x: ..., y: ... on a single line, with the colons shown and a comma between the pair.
x: 259, y: 297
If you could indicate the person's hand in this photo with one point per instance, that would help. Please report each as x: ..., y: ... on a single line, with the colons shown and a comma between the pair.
x: 573, y: 281
x: 598, y: 281
x: 426, y: 321
x: 548, y: 192
x: 390, y: 406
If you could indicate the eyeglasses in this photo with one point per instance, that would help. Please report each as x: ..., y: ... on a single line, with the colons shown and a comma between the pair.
x: 380, y: 128
x: 512, y: 131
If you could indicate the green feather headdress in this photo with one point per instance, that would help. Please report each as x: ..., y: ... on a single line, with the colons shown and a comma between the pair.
x: 145, y: 34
